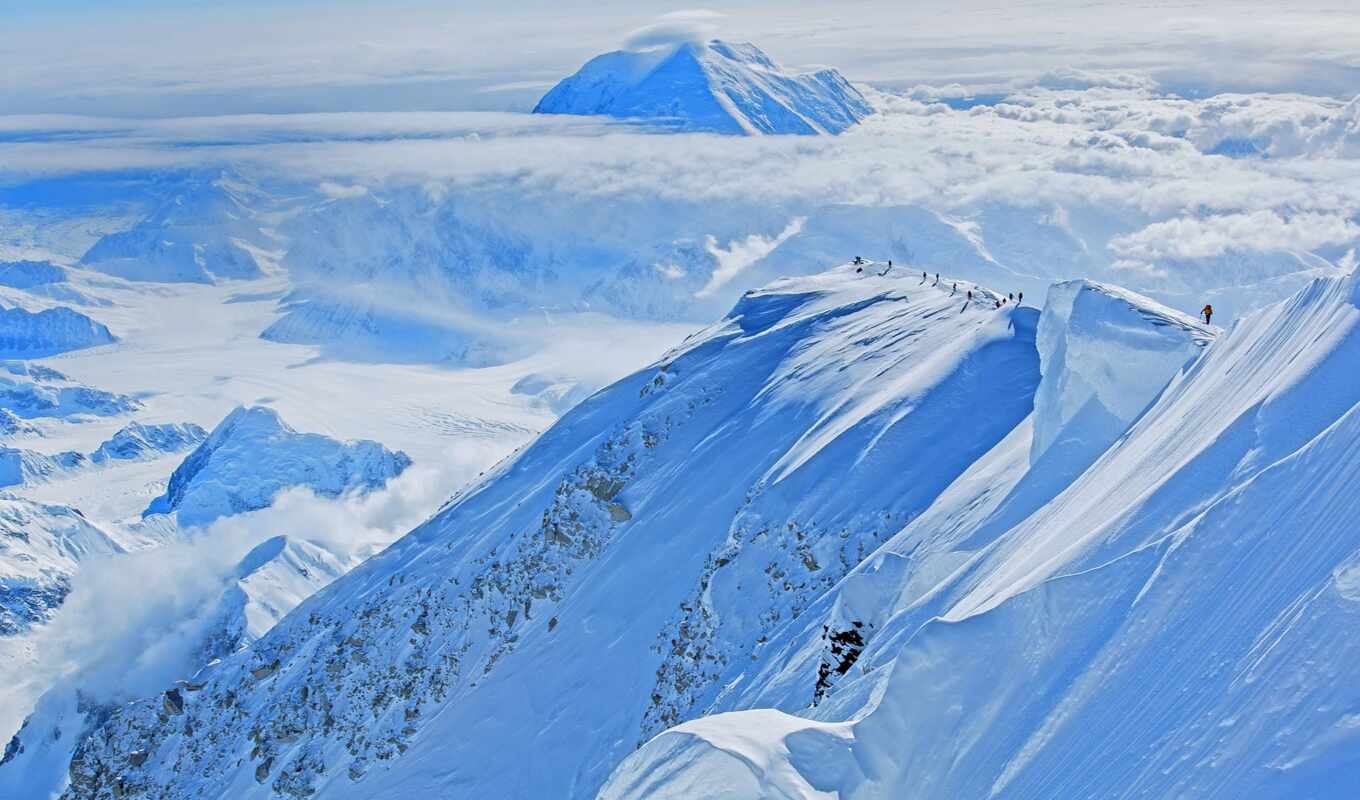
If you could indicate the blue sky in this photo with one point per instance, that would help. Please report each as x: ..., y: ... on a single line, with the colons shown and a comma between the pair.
x: 195, y: 57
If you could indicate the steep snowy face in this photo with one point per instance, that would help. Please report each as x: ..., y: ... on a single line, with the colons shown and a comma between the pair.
x: 252, y: 455
x: 1165, y: 627
x: 207, y: 231
x: 40, y: 547
x: 718, y: 87
x: 137, y: 441
x: 25, y: 334
x: 620, y: 574
x: 1105, y: 353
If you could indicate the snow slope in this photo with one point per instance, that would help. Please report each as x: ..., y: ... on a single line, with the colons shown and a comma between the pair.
x: 1164, y: 627
x: 253, y: 454
x: 834, y: 381
x: 718, y: 87
x: 25, y: 334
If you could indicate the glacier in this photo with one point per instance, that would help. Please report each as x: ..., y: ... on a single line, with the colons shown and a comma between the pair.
x: 715, y: 86
x: 253, y: 454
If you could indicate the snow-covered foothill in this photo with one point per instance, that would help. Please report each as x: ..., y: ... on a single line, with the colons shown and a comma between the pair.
x: 33, y: 392
x: 12, y: 425
x: 253, y: 454
x: 1164, y: 627
x: 715, y: 86
x: 207, y: 231
x: 19, y: 466
x: 27, y: 334
x: 40, y: 548
x: 30, y: 274
x: 137, y: 441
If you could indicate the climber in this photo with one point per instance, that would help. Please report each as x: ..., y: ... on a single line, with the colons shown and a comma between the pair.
x: 970, y: 295
x: 937, y: 280
x: 1020, y: 298
x: 955, y: 290
x: 1208, y: 312
x: 859, y: 260
x: 1010, y: 296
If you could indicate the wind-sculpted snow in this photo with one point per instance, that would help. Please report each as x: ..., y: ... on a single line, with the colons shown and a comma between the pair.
x: 620, y: 573
x: 1105, y: 354
x: 1164, y: 627
x: 26, y: 334
x: 252, y: 455
x: 40, y: 547
x: 718, y: 87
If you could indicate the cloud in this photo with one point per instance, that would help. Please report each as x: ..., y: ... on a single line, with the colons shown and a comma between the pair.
x: 695, y: 26
x: 741, y: 254
x: 1257, y: 231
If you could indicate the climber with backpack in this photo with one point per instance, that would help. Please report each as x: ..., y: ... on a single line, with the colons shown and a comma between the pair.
x: 1208, y: 312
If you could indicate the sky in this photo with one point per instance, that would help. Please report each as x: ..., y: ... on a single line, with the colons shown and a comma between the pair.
x: 158, y: 58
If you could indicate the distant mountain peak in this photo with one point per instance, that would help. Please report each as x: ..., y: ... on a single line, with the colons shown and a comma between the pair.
x: 719, y: 87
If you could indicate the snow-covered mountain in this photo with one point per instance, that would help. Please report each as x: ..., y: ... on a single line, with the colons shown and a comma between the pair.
x: 718, y: 87
x: 26, y: 334
x: 253, y: 454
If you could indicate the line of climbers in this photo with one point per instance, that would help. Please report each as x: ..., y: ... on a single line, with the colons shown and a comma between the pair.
x: 1017, y: 298
x: 1207, y: 312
